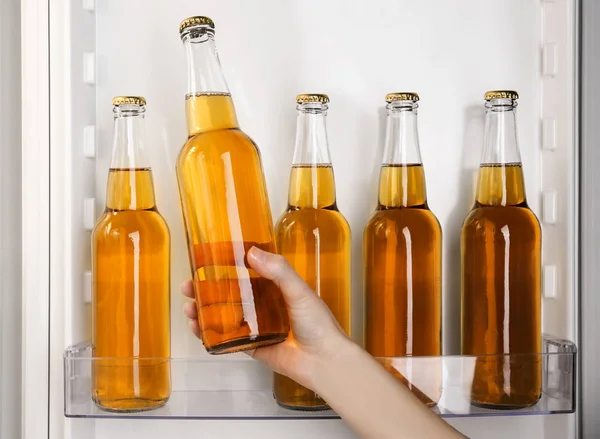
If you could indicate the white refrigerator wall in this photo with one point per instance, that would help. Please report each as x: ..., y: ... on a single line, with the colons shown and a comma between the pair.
x: 273, y: 50
x: 450, y: 52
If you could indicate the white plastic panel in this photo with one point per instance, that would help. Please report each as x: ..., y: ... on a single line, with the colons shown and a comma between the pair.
x: 549, y: 282
x: 549, y: 59
x: 89, y: 68
x: 559, y: 170
x: 72, y: 192
x: 35, y: 213
x: 549, y: 134
x: 89, y: 213
x: 89, y: 141
x: 549, y: 208
x: 450, y: 52
x: 88, y: 5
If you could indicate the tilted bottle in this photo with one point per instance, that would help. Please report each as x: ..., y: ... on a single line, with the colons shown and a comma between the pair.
x: 403, y: 252
x: 501, y: 264
x: 312, y: 234
x: 131, y: 278
x: 225, y: 208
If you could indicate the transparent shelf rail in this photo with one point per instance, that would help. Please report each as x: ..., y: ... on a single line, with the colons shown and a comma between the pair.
x: 240, y: 388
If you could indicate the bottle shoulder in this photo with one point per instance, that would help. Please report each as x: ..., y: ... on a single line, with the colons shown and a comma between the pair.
x: 311, y: 220
x: 218, y: 142
x: 117, y: 224
x: 403, y: 217
x: 515, y: 218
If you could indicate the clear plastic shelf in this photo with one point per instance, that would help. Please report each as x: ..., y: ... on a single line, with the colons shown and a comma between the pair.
x: 240, y: 388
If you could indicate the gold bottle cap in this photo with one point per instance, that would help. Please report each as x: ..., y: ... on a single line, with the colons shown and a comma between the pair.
x: 312, y: 97
x: 193, y: 21
x: 401, y: 96
x: 129, y: 100
x: 501, y: 94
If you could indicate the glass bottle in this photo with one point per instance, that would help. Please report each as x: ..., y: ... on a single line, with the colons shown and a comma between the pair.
x: 131, y: 278
x: 313, y: 235
x: 501, y: 264
x: 403, y: 253
x: 225, y: 208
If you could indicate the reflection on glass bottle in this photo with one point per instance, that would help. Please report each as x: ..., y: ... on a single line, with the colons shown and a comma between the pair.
x: 403, y: 253
x: 226, y: 209
x: 501, y: 263
x: 131, y: 278
x: 313, y: 235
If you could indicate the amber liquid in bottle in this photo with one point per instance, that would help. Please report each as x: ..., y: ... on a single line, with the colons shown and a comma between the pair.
x: 501, y: 259
x: 131, y: 303
x: 501, y: 291
x: 403, y: 259
x: 226, y: 210
x: 315, y: 239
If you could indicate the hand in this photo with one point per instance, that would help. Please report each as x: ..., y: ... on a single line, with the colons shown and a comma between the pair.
x: 320, y: 356
x: 316, y: 336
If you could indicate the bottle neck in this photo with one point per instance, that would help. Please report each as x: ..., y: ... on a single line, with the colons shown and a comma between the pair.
x: 130, y: 185
x: 500, y: 142
x: 312, y: 183
x: 208, y: 101
x: 128, y: 146
x: 402, y: 177
x: 204, y: 67
x: 402, y: 135
x: 501, y: 179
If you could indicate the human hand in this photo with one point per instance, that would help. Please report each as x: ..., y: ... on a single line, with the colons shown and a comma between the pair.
x: 316, y: 336
x: 320, y: 356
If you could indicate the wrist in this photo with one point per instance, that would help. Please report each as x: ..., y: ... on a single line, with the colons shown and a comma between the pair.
x: 328, y: 366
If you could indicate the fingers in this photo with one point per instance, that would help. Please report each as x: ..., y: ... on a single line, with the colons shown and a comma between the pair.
x: 187, y: 289
x: 276, y: 268
x: 194, y: 327
x: 190, y: 310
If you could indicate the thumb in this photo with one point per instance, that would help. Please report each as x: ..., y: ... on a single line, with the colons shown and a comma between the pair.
x: 276, y: 268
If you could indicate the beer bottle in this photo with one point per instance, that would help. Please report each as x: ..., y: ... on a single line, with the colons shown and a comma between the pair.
x: 501, y: 257
x: 312, y: 234
x: 403, y: 252
x: 131, y: 278
x: 225, y: 208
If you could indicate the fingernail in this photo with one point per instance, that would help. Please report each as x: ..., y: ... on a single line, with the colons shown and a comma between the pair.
x: 257, y: 255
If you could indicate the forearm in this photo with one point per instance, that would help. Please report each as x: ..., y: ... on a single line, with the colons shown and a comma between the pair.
x: 371, y: 401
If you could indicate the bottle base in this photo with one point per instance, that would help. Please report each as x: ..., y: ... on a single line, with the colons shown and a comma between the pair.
x: 246, y: 344
x: 505, y: 406
x: 130, y: 405
x: 303, y: 407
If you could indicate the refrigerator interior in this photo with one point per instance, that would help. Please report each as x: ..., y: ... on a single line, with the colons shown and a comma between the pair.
x: 450, y: 52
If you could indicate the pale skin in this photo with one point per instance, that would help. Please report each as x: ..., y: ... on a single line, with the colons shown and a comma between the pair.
x: 321, y: 357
